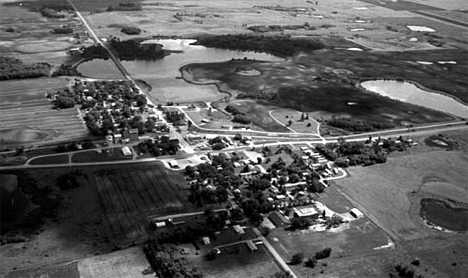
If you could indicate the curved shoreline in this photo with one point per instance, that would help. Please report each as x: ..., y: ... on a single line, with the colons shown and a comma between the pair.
x: 419, y: 86
x: 415, y: 84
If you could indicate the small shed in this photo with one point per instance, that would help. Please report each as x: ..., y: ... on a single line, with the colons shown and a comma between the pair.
x: 126, y: 151
x: 160, y: 224
x: 173, y: 164
x: 252, y: 247
x: 356, y: 213
x: 206, y: 240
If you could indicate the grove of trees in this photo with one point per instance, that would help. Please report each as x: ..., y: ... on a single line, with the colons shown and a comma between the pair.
x: 12, y: 68
x: 279, y: 46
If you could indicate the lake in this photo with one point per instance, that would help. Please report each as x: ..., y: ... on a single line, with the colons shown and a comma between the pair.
x: 442, y: 214
x: 411, y: 93
x: 161, y: 74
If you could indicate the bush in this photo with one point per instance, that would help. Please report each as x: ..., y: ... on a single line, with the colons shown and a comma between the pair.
x: 325, y: 253
x: 311, y: 262
x: 241, y: 119
x: 297, y: 258
x: 131, y: 30
x: 62, y: 30
x: 65, y: 102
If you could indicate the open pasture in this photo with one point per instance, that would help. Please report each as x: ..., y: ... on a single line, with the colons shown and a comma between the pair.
x: 386, y: 191
x: 128, y: 263
x: 258, y: 112
x: 28, y: 116
x: 131, y: 193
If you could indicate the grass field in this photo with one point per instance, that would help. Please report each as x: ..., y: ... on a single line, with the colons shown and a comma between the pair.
x: 385, y: 191
x: 29, y: 118
x: 129, y: 196
x: 295, y: 116
x: 128, y: 263
x: 55, y: 159
x: 258, y: 112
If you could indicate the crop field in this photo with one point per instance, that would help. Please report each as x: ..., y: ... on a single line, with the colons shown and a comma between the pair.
x: 387, y: 191
x: 129, y: 196
x: 29, y: 118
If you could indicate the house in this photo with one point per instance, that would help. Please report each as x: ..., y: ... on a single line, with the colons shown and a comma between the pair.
x: 356, y: 213
x: 133, y: 134
x: 117, y: 138
x: 173, y: 164
x: 184, y: 251
x: 252, y: 247
x: 308, y: 211
x: 278, y: 219
x: 206, y: 240
x: 238, y: 229
x: 126, y: 151
x: 160, y: 224
x: 259, y: 169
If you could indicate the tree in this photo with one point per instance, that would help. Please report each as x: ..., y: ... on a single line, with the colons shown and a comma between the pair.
x: 65, y: 102
x: 311, y: 262
x: 211, y: 255
x: 325, y: 253
x: 297, y: 258
x: 290, y: 123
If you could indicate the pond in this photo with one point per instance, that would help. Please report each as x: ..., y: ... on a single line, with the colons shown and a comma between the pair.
x: 442, y: 214
x: 153, y: 72
x: 411, y: 93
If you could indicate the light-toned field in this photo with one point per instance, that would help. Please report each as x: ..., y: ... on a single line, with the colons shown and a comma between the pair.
x: 384, y: 191
x: 297, y: 124
x: 28, y: 116
x: 190, y: 18
x: 128, y: 263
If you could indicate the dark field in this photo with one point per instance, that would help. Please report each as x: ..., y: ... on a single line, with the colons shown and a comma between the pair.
x: 128, y: 194
x: 296, y: 85
x: 55, y: 159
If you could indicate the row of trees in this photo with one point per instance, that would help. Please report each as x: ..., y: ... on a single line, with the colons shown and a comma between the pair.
x: 161, y: 146
x: 12, y: 68
x: 66, y: 70
x: 357, y: 125
x: 124, y: 7
x: 280, y: 46
x: 353, y: 153
x: 312, y: 261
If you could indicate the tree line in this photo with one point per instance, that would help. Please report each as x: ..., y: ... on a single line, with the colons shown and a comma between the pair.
x: 12, y: 68
x: 279, y: 46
